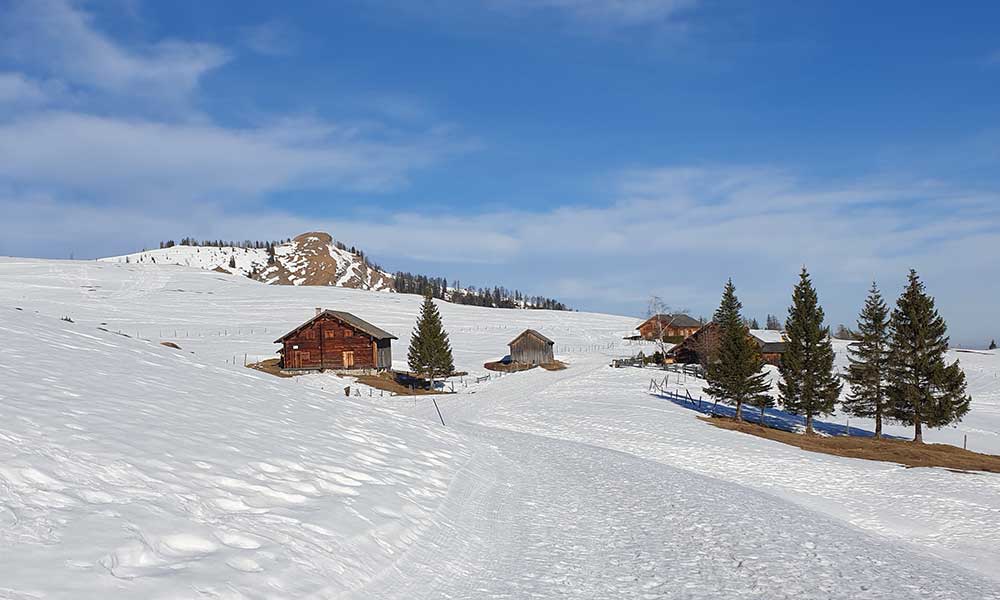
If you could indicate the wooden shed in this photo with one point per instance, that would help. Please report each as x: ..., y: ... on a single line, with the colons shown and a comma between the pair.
x: 336, y: 340
x: 532, y: 348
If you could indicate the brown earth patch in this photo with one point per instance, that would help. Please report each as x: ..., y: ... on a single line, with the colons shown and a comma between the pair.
x: 270, y: 366
x: 886, y: 450
x: 170, y: 345
x: 390, y: 382
x: 513, y: 367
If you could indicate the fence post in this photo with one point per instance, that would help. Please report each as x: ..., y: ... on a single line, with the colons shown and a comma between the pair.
x: 438, y: 409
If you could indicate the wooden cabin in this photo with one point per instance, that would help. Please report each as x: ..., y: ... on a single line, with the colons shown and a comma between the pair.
x: 336, y: 340
x: 667, y: 327
x: 532, y: 348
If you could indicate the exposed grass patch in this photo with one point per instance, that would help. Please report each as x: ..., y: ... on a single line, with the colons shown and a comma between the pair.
x: 897, y: 451
x: 170, y: 345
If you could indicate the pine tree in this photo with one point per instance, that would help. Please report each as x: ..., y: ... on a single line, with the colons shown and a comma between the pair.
x: 430, y: 351
x: 773, y: 323
x: 808, y: 384
x: 869, y: 359
x: 736, y: 374
x: 232, y: 262
x: 922, y: 389
x: 993, y: 344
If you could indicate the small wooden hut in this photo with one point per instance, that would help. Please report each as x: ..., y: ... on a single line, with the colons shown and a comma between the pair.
x: 336, y: 340
x: 532, y: 348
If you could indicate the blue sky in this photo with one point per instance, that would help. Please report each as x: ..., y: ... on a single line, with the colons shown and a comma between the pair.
x: 592, y: 150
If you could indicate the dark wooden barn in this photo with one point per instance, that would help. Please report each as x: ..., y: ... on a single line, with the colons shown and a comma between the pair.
x: 667, y: 327
x: 336, y: 340
x: 771, y: 344
x: 532, y: 348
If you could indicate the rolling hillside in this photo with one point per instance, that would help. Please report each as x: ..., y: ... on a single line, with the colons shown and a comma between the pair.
x: 129, y: 469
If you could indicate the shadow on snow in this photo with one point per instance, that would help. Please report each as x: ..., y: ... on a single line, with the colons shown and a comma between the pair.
x: 773, y: 417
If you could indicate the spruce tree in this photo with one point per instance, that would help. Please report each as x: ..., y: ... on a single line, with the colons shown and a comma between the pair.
x: 869, y: 360
x: 736, y: 375
x: 430, y: 352
x: 808, y: 384
x: 993, y: 344
x: 922, y: 389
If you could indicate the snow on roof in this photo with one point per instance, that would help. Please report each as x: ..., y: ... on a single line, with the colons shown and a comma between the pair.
x: 768, y: 336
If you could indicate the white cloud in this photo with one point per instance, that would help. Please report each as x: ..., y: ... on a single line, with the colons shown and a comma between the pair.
x: 272, y: 38
x: 130, y: 157
x: 107, y: 137
x: 606, y: 12
x: 59, y: 38
x: 677, y: 233
x: 16, y: 89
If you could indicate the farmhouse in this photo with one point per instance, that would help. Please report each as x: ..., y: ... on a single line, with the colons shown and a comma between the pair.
x: 532, y: 348
x: 771, y: 343
x: 667, y: 327
x: 337, y: 340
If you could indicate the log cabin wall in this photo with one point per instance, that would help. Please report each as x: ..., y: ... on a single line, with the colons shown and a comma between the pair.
x: 328, y: 343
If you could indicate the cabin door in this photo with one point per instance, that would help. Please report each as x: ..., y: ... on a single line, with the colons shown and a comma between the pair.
x: 348, y: 360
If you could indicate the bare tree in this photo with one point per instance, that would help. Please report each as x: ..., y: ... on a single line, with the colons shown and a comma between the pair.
x: 662, y: 324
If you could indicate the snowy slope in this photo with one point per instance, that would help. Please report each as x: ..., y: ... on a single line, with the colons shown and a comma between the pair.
x: 129, y: 469
x: 309, y: 259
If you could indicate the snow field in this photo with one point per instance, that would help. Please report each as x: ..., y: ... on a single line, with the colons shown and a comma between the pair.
x: 129, y: 469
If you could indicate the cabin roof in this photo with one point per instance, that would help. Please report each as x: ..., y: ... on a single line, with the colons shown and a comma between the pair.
x: 531, y: 332
x: 345, y: 317
x: 677, y: 320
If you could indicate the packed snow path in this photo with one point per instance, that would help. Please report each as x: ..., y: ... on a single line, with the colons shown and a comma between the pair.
x: 538, y: 517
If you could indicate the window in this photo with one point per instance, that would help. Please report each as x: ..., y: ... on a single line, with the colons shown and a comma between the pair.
x: 309, y: 334
x: 348, y: 359
x: 348, y: 333
x: 330, y: 333
x: 304, y: 356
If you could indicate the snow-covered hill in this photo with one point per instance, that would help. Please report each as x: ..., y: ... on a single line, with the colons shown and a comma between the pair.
x: 129, y: 469
x: 309, y: 259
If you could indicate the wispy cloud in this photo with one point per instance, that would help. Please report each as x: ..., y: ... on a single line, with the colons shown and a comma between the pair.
x: 60, y: 39
x: 674, y: 232
x: 86, y: 123
x: 620, y: 12
x: 272, y: 38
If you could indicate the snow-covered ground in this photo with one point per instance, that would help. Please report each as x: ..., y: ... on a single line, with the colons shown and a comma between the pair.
x: 130, y: 469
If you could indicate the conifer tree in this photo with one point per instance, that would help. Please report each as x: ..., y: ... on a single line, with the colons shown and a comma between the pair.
x: 430, y: 352
x: 993, y: 344
x: 869, y: 360
x: 736, y: 374
x: 808, y: 384
x: 232, y: 262
x: 922, y: 389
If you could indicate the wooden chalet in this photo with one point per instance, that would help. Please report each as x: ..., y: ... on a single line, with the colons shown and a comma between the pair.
x: 336, y: 340
x: 771, y: 343
x: 666, y: 327
x: 532, y: 348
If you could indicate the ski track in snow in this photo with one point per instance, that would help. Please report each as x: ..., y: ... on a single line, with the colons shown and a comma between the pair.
x: 132, y: 470
x: 548, y: 518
